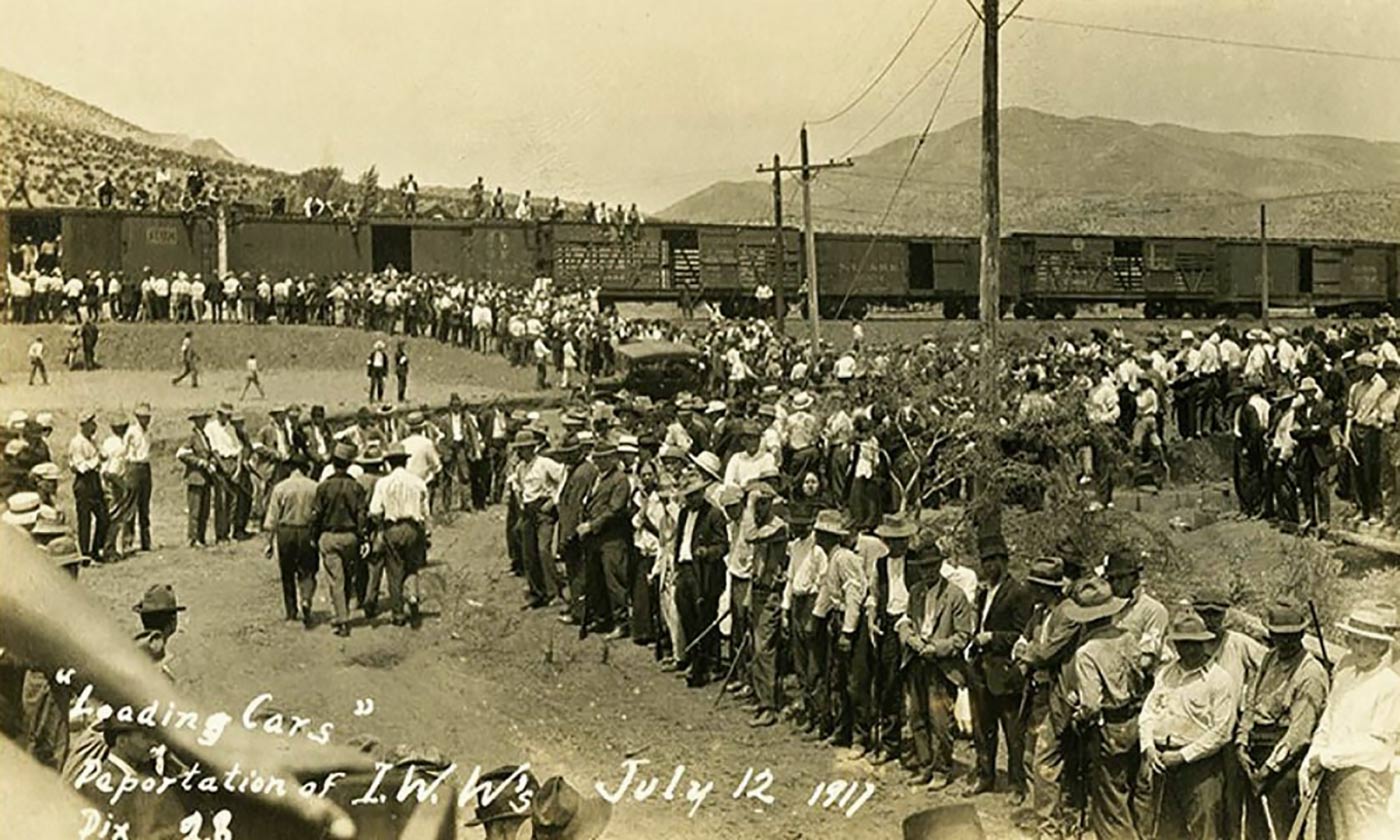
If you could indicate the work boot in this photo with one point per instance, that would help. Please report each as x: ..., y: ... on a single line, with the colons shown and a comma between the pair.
x: 765, y: 717
x: 415, y: 617
x: 306, y: 620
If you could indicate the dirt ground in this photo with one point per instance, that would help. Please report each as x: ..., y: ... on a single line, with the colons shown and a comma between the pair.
x: 487, y: 683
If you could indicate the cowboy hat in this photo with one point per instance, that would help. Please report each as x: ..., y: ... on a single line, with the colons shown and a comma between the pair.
x: 831, y: 521
x: 64, y: 552
x: 1284, y: 616
x: 896, y: 526
x: 1188, y: 627
x: 343, y: 451
x: 1091, y: 600
x: 1371, y: 620
x: 558, y: 812
x: 160, y: 598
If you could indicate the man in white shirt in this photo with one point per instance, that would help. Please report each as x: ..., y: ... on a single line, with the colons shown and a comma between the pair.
x: 117, y: 484
x: 85, y: 462
x: 36, y: 360
x: 400, y: 505
x: 138, y: 460
x: 751, y: 461
x: 1095, y: 464
x: 423, y: 458
x: 227, y: 448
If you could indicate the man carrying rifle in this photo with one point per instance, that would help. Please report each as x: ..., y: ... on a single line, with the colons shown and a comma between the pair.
x: 1280, y: 710
x: 1348, y: 766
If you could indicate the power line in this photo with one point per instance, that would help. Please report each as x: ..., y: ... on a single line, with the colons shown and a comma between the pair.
x: 908, y: 167
x: 881, y: 75
x: 910, y: 92
x: 1205, y: 39
x: 1011, y: 14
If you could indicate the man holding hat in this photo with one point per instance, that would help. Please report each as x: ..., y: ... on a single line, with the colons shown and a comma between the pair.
x: 1348, y: 766
x: 1185, y: 724
x: 85, y: 462
x: 1281, y: 708
x: 1105, y: 707
x: 287, y: 523
x: 337, y: 521
x: 138, y: 464
x: 933, y: 631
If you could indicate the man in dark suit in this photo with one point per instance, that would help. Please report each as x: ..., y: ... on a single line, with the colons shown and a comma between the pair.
x: 1312, y: 428
x: 584, y: 603
x: 709, y: 546
x: 606, y: 531
x: 198, y: 458
x: 463, y: 451
x: 1002, y: 610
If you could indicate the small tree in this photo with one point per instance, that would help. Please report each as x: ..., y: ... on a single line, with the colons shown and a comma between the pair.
x: 369, y: 190
x: 318, y: 181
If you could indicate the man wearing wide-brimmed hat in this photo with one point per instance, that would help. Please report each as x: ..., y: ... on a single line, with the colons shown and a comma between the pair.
x: 423, y: 458
x: 399, y: 508
x: 463, y: 451
x: 377, y: 369
x: 1107, y: 700
x: 558, y: 812
x: 886, y: 603
x: 504, y: 801
x: 337, y: 523
x: 85, y: 461
x: 1184, y: 730
x: 534, y: 483
x: 198, y: 460
x: 287, y: 523
x: 802, y: 435
x: 606, y: 532
x: 1349, y: 764
x: 933, y: 630
x: 767, y: 534
x: 701, y: 544
x: 840, y: 600
x: 1279, y: 712
x: 1312, y: 429
x: 1143, y: 616
x: 585, y: 600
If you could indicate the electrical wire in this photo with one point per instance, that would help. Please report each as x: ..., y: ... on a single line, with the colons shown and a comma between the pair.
x: 881, y: 75
x: 910, y: 92
x: 913, y: 156
x: 1011, y: 14
x: 1205, y: 39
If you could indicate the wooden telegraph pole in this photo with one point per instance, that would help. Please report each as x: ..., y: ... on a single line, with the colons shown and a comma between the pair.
x: 1264, y: 266
x: 807, y: 170
x: 779, y: 257
x: 989, y: 282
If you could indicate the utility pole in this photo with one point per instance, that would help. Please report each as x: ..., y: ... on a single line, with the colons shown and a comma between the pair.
x: 808, y: 169
x: 779, y: 257
x: 989, y: 282
x: 1264, y: 265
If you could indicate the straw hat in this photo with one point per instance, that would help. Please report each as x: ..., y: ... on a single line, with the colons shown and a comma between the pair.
x: 22, y: 509
x: 1188, y: 627
x: 1047, y: 571
x: 1371, y: 620
x: 831, y: 521
x: 708, y: 463
x: 896, y: 526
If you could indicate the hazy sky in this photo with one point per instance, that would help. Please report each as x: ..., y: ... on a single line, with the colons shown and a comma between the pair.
x: 648, y: 100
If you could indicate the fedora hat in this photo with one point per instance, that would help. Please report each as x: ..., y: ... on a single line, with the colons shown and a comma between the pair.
x: 696, y: 484
x: 628, y: 444
x: 372, y: 454
x: 896, y: 526
x: 344, y: 451
x: 505, y: 794
x: 1284, y: 616
x: 1188, y: 627
x: 730, y: 495
x: 831, y: 521
x: 1047, y: 571
x: 802, y: 401
x: 1091, y: 600
x: 455, y: 399
x: 198, y: 414
x: 1371, y: 620
x: 384, y: 408
x: 558, y: 812
x: 415, y: 419
x: 48, y: 524
x: 64, y: 552
x: 1210, y: 599
x: 396, y: 452
x: 1121, y: 562
x: 160, y: 598
x: 708, y: 463
x: 524, y: 438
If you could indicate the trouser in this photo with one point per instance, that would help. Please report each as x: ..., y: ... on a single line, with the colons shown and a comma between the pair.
x: 219, y: 498
x: 497, y: 465
x: 1191, y: 801
x: 187, y: 370
x: 881, y: 665
x: 994, y: 715
x: 575, y: 572
x: 688, y: 607
x: 376, y: 388
x: 1103, y: 471
x: 808, y: 646
x: 241, y: 504
x: 644, y: 596
x: 1249, y: 469
x: 120, y: 510
x: 92, y: 514
x: 479, y: 478
x: 1056, y: 778
x: 139, y: 473
x: 1112, y: 775
x: 1281, y: 797
x: 298, y: 561
x: 402, y: 382
x: 197, y: 502
x: 928, y: 700
x: 1366, y: 444
x: 403, y: 555
x: 841, y: 687
x: 612, y: 559
x: 537, y: 552
x: 515, y: 537
x: 1352, y: 804
x: 1313, y: 489
x: 36, y: 366
x: 710, y: 577
x: 541, y: 375
x: 767, y: 640
x: 1285, y: 493
x: 339, y: 550
x: 739, y: 625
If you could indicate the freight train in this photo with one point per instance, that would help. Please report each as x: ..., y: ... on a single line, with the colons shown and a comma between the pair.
x: 1044, y: 275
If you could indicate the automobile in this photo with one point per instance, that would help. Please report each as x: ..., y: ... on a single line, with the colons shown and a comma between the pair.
x: 656, y: 369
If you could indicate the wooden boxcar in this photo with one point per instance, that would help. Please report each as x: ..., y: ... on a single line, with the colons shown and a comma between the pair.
x: 857, y: 272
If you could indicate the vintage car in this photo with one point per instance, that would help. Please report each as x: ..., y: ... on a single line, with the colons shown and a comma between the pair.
x: 655, y: 369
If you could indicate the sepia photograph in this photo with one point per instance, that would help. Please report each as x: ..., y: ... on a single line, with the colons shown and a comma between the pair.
x: 739, y: 420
